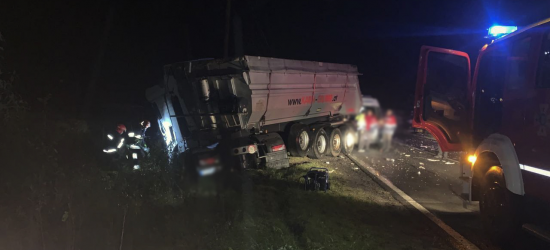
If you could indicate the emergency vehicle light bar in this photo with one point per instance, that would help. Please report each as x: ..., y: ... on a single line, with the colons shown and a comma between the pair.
x: 497, y: 31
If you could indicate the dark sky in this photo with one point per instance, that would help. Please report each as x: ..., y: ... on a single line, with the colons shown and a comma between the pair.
x: 56, y: 46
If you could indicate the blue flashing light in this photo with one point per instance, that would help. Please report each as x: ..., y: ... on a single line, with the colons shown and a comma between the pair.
x: 497, y: 31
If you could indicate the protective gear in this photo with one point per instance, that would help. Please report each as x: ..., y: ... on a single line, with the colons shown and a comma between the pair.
x: 120, y: 128
x: 145, y: 124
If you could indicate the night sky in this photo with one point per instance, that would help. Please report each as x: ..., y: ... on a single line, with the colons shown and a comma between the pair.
x: 58, y: 47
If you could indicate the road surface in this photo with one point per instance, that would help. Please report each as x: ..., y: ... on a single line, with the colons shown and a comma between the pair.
x: 412, y: 167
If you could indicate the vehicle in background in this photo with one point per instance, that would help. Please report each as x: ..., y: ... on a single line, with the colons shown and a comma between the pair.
x: 249, y: 111
x: 501, y: 118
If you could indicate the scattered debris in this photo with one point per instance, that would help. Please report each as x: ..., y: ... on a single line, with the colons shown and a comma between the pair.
x: 327, y: 162
x: 433, y: 160
x: 355, y: 168
x: 449, y: 163
x: 418, y: 172
x: 352, y: 163
x: 389, y: 159
x: 422, y: 167
x: 422, y: 146
x: 421, y: 163
x: 407, y: 155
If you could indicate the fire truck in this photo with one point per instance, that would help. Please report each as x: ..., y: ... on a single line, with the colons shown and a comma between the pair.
x: 250, y: 111
x: 499, y: 115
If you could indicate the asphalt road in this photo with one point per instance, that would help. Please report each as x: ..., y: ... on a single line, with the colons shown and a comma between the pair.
x: 412, y: 167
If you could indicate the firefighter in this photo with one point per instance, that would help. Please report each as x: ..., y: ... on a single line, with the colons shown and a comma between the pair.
x: 145, y: 124
x: 116, y: 141
x: 389, y: 126
x: 367, y: 134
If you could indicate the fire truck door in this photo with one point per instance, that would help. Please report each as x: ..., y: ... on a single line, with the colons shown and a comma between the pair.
x: 442, y: 100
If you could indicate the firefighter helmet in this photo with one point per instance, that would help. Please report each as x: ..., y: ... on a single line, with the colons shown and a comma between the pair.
x: 120, y: 128
x: 145, y: 124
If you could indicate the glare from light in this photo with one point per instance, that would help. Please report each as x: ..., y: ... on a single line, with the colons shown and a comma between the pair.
x: 472, y: 159
x: 136, y: 167
x: 134, y: 146
x: 111, y: 150
x: 349, y: 140
x: 134, y: 156
x: 110, y: 137
x: 168, y: 135
x: 500, y: 31
x: 207, y: 171
x: 131, y: 134
x: 121, y: 143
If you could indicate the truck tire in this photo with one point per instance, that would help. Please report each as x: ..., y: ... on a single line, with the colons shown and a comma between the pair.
x: 348, y: 139
x: 319, y: 145
x: 499, y: 208
x: 298, y: 140
x: 335, y: 142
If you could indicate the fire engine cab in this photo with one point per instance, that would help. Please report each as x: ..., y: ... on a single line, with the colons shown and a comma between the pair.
x: 500, y: 119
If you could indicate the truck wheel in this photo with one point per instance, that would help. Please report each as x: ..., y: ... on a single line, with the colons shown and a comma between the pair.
x: 319, y: 146
x: 298, y: 140
x: 335, y: 142
x: 348, y: 140
x: 499, y: 208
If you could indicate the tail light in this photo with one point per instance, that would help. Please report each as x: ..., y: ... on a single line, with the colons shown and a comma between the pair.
x: 208, y: 161
x: 251, y: 149
x: 277, y: 148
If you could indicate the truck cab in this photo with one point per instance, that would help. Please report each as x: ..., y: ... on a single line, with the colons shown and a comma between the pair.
x: 498, y: 115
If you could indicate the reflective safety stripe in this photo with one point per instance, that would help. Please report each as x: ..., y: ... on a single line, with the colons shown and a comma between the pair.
x: 131, y: 134
x: 121, y: 143
x: 134, y: 156
x: 110, y: 137
x: 534, y: 170
x: 111, y: 150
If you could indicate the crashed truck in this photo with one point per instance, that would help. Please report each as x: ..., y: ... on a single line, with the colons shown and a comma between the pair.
x: 250, y: 111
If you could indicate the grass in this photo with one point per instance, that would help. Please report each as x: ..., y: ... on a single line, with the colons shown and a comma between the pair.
x: 278, y: 214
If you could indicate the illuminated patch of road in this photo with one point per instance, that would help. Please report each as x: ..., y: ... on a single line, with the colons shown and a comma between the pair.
x: 461, y: 242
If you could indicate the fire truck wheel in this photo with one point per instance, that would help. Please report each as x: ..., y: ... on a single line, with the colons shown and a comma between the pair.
x: 348, y: 139
x: 335, y: 142
x: 298, y: 140
x: 319, y: 146
x: 499, y: 208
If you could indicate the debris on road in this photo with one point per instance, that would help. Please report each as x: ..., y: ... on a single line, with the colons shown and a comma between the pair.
x: 449, y: 163
x: 418, y: 172
x: 407, y: 155
x: 355, y: 168
x: 421, y: 163
x: 327, y: 162
x: 433, y: 160
x: 422, y: 167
